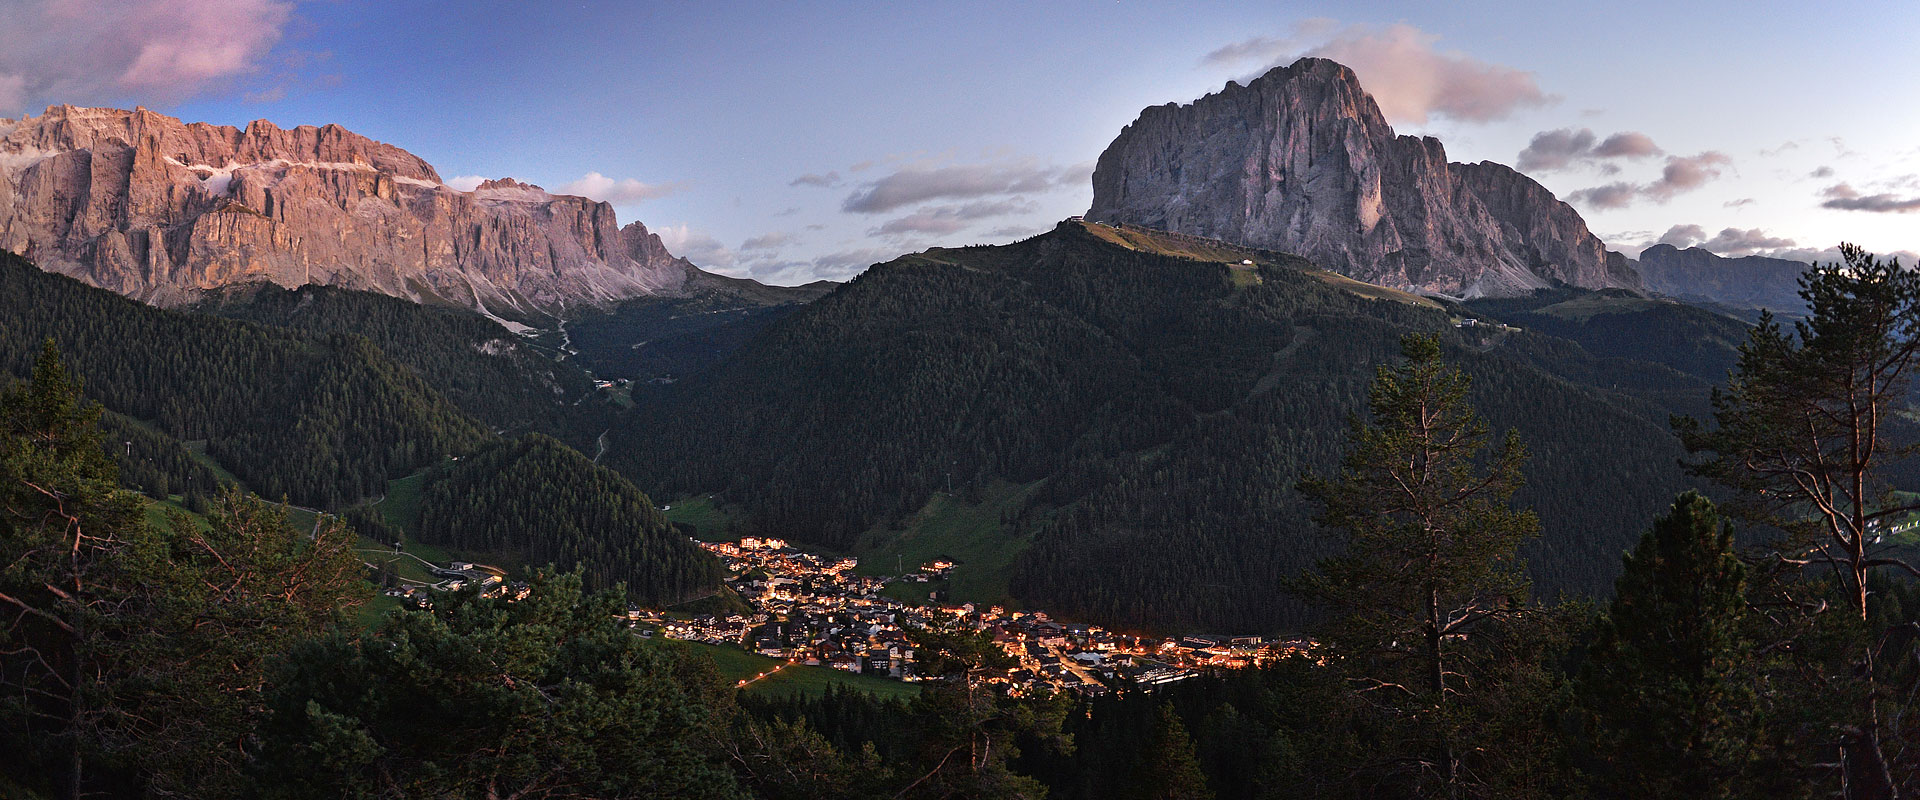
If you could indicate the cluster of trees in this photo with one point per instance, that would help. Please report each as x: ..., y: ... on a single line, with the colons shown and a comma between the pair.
x: 322, y: 419
x: 157, y: 464
x: 323, y: 396
x: 133, y: 655
x: 671, y: 337
x: 1165, y: 410
x: 1615, y: 322
x: 498, y: 378
x: 544, y: 503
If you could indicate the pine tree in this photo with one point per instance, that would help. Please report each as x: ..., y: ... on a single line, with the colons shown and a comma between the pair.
x: 235, y: 594
x: 70, y: 542
x: 1669, y: 683
x: 1168, y: 768
x: 1430, y: 554
x: 973, y: 730
x: 134, y: 655
x: 1808, y: 430
x: 548, y: 696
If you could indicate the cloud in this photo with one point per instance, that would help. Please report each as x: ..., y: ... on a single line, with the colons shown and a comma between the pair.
x: 626, y: 191
x: 1680, y: 175
x: 1563, y: 148
x: 700, y: 248
x: 466, y: 183
x: 919, y: 222
x: 847, y: 263
x: 836, y: 266
x: 1014, y: 232
x: 1399, y: 65
x: 1685, y: 174
x: 920, y: 183
x: 1822, y: 172
x: 1826, y: 255
x: 767, y: 241
x: 1683, y: 236
x: 1734, y: 242
x: 1729, y: 242
x: 1267, y: 51
x: 1550, y: 150
x: 1612, y: 195
x: 1627, y: 144
x: 1744, y: 201
x: 13, y: 92
x: 810, y: 179
x: 155, y: 51
x: 1843, y: 197
x: 942, y: 220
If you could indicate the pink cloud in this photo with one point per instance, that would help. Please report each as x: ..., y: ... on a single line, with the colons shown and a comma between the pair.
x: 1680, y: 175
x: 623, y: 192
x: 143, y: 51
x: 1400, y: 66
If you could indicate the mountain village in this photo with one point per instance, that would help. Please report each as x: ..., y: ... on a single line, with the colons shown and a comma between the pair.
x: 814, y: 610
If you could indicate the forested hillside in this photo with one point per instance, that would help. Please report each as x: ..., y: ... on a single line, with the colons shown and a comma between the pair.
x: 1167, y: 398
x: 1615, y: 323
x: 543, y: 502
x: 154, y: 463
x: 647, y: 338
x: 322, y: 419
x: 491, y: 374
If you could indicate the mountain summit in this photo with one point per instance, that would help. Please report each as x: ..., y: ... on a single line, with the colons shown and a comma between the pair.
x: 1301, y: 160
x: 160, y: 210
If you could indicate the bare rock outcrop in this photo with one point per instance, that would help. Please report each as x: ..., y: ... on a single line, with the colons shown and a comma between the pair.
x: 160, y: 210
x: 1301, y: 160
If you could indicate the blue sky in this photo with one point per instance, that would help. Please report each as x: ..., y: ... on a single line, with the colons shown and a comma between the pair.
x: 790, y: 141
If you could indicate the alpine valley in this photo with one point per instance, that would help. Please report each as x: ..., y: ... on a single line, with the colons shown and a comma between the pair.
x: 1090, y: 465
x: 1109, y: 417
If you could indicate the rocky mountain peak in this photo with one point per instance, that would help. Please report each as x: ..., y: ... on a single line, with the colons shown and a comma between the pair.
x: 507, y: 183
x: 1302, y: 160
x: 161, y: 210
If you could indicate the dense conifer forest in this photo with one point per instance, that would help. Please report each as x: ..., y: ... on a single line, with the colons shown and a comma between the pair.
x: 668, y: 338
x: 1617, y: 323
x: 324, y: 419
x: 320, y: 414
x: 494, y: 376
x: 544, y: 503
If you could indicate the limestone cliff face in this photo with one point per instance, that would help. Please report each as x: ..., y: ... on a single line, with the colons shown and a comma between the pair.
x: 150, y: 207
x: 1301, y: 160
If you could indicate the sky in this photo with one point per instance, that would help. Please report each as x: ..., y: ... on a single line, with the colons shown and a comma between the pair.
x: 794, y: 141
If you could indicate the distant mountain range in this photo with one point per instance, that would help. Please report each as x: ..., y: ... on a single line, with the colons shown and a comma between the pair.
x: 1300, y: 160
x: 160, y: 210
x: 1746, y: 282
